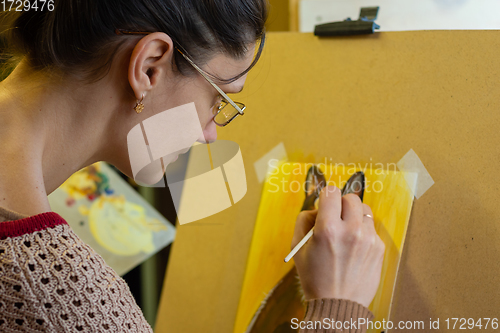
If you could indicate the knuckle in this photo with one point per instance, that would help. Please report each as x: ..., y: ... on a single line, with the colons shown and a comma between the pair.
x: 327, y: 233
x: 302, y: 215
x: 330, y: 190
x: 353, y: 199
x: 367, y: 209
x: 355, y: 235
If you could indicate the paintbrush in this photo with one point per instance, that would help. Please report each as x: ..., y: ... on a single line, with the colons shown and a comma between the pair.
x: 315, y: 182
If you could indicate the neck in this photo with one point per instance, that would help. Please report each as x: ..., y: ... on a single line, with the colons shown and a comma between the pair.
x: 49, y: 130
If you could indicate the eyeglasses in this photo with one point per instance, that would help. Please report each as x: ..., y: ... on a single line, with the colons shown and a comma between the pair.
x: 225, y: 110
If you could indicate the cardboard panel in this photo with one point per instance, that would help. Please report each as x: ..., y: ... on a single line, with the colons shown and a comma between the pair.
x: 365, y: 99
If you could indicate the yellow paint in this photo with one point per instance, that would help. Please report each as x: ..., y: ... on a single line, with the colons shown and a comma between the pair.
x: 386, y: 193
x: 122, y: 227
x: 81, y: 183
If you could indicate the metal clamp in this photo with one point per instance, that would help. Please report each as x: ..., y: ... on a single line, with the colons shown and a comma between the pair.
x: 363, y: 25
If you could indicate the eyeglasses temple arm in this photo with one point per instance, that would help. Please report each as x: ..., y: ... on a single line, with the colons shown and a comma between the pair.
x: 223, y: 94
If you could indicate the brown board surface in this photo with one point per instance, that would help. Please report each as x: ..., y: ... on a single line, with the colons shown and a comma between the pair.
x: 359, y: 100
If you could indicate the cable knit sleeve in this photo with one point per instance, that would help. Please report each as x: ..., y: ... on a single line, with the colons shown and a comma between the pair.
x: 329, y: 311
x: 51, y: 281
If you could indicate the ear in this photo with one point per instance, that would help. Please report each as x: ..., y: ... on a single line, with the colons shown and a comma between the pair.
x: 150, y: 60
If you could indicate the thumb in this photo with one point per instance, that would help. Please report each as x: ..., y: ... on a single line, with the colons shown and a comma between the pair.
x: 305, y: 221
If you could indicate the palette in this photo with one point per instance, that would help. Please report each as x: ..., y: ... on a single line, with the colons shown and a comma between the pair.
x: 110, y: 216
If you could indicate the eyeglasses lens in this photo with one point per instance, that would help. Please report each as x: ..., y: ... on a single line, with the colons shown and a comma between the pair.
x: 226, y: 113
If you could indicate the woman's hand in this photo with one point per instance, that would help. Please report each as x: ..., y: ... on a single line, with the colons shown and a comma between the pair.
x: 343, y: 259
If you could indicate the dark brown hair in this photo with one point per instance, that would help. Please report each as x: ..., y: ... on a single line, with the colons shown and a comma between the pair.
x: 78, y: 36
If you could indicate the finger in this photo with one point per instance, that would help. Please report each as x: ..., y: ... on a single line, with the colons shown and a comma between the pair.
x: 352, y: 208
x: 305, y: 221
x: 330, y: 206
x: 367, y: 214
x: 368, y: 218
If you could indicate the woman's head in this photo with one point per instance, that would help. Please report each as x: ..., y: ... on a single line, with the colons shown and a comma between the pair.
x: 78, y: 37
x: 77, y: 41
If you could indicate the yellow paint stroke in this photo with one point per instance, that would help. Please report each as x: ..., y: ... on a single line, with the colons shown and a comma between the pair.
x: 81, y: 183
x: 386, y: 193
x: 122, y: 227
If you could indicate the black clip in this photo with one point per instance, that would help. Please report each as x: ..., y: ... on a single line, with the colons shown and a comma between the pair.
x: 364, y: 25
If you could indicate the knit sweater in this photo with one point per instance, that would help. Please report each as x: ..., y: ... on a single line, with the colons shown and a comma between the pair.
x: 51, y: 281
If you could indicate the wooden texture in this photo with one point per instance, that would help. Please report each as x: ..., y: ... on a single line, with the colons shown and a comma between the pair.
x: 293, y: 14
x: 278, y: 19
x: 366, y: 99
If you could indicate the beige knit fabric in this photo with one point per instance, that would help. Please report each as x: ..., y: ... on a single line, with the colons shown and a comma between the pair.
x: 340, y: 310
x: 51, y: 281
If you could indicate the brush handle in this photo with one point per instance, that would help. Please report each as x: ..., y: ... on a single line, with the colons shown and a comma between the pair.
x: 298, y: 246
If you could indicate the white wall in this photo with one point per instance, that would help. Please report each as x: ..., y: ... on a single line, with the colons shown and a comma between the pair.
x: 397, y: 15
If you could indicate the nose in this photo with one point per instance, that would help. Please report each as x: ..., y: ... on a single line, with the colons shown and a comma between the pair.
x: 209, y: 133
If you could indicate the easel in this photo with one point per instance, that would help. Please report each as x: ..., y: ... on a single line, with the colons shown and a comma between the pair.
x: 366, y: 99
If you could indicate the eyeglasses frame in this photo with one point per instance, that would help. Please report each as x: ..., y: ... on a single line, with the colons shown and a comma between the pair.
x: 202, y: 72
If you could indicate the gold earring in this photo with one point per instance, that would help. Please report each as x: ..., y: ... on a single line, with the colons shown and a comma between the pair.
x: 139, y: 106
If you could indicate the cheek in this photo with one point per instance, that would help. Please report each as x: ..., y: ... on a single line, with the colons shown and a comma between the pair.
x: 204, y: 97
x: 204, y: 108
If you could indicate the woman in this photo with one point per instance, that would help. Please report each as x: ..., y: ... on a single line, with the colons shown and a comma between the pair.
x: 86, y: 73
